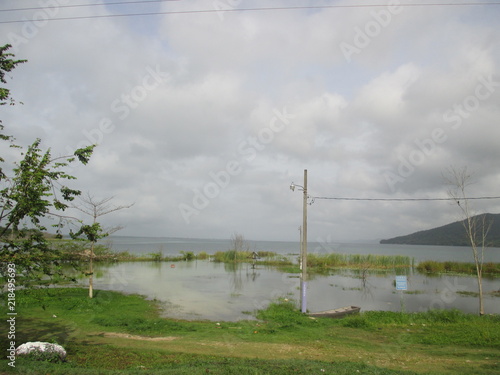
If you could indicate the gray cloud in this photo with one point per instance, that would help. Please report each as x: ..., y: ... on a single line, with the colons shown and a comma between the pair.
x: 218, y: 113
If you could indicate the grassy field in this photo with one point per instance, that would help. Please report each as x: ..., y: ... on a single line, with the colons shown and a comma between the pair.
x: 123, y: 334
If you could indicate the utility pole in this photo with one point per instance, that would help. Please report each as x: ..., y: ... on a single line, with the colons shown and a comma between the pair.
x: 303, y: 284
x: 303, y: 245
x: 300, y: 252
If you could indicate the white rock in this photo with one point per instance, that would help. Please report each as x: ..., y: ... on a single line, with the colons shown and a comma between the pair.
x: 42, y: 347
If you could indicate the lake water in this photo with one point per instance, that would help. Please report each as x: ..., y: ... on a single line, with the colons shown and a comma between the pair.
x: 173, y: 246
x: 214, y: 291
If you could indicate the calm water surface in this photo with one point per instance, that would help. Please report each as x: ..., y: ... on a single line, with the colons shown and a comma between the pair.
x: 214, y: 291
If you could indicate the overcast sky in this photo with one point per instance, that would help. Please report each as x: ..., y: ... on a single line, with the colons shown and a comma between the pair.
x: 203, y: 119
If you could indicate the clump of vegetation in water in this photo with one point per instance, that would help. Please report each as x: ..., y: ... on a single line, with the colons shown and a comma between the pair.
x: 432, y: 266
x: 357, y: 261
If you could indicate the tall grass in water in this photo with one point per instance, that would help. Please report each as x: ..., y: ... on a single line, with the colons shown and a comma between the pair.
x: 232, y: 256
x: 431, y: 266
x: 263, y: 257
x: 359, y: 261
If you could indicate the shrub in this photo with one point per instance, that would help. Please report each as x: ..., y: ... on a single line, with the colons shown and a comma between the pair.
x: 187, y: 255
x: 202, y: 255
x: 157, y: 257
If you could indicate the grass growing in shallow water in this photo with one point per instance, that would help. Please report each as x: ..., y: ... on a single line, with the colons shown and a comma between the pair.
x: 432, y: 266
x: 358, y: 261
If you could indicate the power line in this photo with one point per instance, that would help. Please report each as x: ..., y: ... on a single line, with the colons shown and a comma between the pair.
x: 400, y: 199
x: 214, y: 10
x: 90, y: 5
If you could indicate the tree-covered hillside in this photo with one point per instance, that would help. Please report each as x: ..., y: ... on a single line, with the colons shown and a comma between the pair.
x: 450, y: 235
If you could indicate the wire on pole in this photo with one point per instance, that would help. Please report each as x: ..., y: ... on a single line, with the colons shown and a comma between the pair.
x: 400, y: 199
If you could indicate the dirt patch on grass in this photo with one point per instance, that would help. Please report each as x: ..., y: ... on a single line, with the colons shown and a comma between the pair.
x: 137, y: 337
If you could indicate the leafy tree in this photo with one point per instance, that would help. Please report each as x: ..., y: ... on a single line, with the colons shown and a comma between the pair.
x: 30, y: 190
x: 7, y: 64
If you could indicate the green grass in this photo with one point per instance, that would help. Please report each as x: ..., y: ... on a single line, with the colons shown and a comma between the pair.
x: 96, y: 333
x: 182, y: 364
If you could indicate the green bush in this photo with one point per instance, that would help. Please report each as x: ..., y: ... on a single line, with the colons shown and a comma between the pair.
x: 187, y: 255
x: 202, y: 255
x: 157, y: 257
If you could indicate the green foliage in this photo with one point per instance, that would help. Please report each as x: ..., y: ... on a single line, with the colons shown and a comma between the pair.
x: 231, y: 256
x: 202, y: 255
x: 7, y: 64
x: 156, y: 257
x: 188, y: 255
x: 91, y: 233
x: 265, y: 254
x: 30, y: 190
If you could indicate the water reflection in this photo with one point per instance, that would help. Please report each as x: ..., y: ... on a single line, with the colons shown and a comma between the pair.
x: 215, y: 291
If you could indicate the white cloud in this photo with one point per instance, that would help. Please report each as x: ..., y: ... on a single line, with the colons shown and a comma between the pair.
x: 255, y: 98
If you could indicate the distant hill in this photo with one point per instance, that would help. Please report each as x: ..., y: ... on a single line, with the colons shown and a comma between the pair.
x: 449, y: 235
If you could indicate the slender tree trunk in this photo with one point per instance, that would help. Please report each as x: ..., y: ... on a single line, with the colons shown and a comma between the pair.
x: 480, y: 287
x: 476, y: 227
x: 91, y: 277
